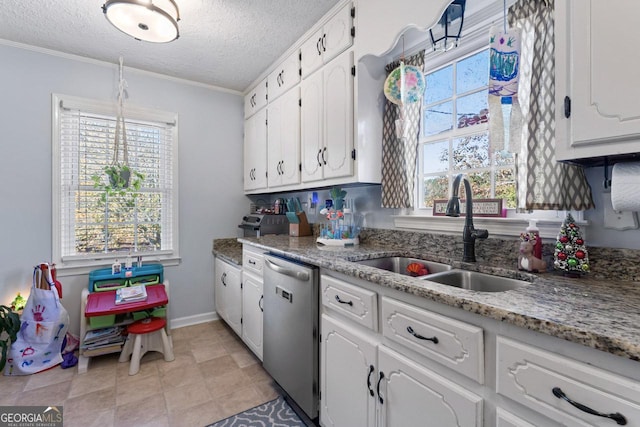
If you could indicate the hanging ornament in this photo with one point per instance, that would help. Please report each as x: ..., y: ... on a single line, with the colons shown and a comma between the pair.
x: 404, y: 85
x: 504, y: 68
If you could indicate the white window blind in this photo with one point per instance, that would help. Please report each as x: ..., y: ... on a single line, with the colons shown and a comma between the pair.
x: 92, y: 223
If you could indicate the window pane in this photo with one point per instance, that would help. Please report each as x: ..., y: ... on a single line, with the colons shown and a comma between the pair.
x: 472, y: 72
x: 472, y: 109
x: 506, y: 187
x: 439, y: 85
x: 438, y: 119
x: 471, y: 152
x: 480, y: 185
x: 504, y: 159
x: 436, y: 157
x: 435, y: 187
x: 149, y: 237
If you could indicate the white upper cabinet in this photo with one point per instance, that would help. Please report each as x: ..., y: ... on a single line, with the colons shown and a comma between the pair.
x: 597, y: 74
x: 284, y: 76
x: 334, y: 38
x: 255, y: 99
x: 327, y: 121
x: 255, y: 151
x: 283, y: 154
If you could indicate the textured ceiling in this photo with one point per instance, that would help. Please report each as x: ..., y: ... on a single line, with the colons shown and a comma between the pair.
x: 225, y: 43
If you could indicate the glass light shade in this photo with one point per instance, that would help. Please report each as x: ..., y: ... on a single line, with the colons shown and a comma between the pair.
x: 149, y: 20
x: 445, y: 34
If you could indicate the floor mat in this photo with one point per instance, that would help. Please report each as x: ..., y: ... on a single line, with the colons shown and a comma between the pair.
x: 276, y: 413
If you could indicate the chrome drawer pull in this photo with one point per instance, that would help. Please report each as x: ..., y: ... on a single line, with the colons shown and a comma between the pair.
x: 420, y: 337
x: 617, y: 417
x: 344, y: 302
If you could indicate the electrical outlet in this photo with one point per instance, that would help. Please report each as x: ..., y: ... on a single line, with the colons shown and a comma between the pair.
x: 617, y: 220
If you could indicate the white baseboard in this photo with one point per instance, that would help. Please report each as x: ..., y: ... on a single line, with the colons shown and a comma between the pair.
x: 194, y: 320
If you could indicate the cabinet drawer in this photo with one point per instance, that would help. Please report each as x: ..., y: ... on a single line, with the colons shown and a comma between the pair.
x: 357, y: 304
x: 455, y: 344
x: 252, y: 261
x: 531, y: 376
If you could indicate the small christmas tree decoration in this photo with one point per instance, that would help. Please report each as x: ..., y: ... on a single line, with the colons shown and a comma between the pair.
x: 570, y: 254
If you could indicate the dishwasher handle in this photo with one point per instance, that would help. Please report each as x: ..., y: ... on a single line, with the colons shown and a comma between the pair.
x: 301, y: 275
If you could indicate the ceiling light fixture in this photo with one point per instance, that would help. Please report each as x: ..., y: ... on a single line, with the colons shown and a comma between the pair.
x: 149, y: 20
x: 445, y: 34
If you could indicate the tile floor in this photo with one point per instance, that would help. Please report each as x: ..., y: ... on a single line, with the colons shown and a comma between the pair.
x: 213, y: 376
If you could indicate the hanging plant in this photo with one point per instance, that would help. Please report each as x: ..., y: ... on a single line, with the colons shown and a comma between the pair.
x: 119, y: 174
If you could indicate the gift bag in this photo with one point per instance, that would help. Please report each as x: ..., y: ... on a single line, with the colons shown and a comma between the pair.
x: 44, y: 324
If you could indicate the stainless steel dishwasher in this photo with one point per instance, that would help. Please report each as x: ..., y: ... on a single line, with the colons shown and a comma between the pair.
x: 290, y: 329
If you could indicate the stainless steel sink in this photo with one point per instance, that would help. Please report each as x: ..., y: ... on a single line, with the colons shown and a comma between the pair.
x: 398, y: 264
x: 474, y: 281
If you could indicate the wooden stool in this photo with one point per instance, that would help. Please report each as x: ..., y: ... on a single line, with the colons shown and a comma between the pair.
x: 146, y: 335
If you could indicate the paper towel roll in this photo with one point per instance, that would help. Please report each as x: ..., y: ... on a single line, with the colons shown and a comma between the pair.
x: 625, y: 186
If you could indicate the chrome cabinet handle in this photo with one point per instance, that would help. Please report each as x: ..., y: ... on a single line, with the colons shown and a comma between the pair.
x: 617, y: 417
x: 318, y: 157
x: 420, y: 337
x: 324, y: 151
x: 324, y: 42
x: 224, y: 276
x: 344, y: 302
x: 318, y: 46
x: 260, y: 303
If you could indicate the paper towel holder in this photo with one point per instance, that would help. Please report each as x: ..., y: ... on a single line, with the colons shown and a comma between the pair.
x: 607, y: 180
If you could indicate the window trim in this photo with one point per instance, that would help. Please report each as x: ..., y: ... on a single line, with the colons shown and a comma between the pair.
x: 81, y: 265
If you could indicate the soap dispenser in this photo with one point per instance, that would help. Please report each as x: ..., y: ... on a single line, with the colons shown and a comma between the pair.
x: 533, y: 229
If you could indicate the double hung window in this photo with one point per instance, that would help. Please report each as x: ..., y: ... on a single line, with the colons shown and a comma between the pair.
x: 455, y: 133
x: 92, y: 224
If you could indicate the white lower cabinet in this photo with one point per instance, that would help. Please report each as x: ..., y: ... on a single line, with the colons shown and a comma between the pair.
x: 252, y: 299
x: 567, y: 391
x: 228, y: 294
x: 365, y: 383
x: 348, y: 374
x: 252, y: 313
x: 411, y: 395
x: 507, y: 419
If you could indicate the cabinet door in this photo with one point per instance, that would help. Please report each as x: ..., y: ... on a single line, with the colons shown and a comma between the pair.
x: 595, y: 67
x: 255, y: 151
x: 219, y: 288
x: 337, y: 34
x: 348, y: 376
x: 412, y: 394
x: 285, y: 76
x: 338, y: 124
x: 311, y: 54
x: 284, y: 139
x: 252, y: 313
x: 255, y: 99
x: 311, y: 122
x: 233, y: 298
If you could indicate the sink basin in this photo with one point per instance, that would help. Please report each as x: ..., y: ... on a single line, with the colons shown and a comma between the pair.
x: 398, y: 264
x: 474, y: 281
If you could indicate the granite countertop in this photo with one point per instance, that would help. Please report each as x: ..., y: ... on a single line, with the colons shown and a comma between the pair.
x: 602, y: 314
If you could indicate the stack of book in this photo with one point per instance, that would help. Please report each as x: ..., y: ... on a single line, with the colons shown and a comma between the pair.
x: 131, y: 294
x: 102, y: 341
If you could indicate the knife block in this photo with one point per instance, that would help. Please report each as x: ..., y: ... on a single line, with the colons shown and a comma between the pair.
x: 301, y: 228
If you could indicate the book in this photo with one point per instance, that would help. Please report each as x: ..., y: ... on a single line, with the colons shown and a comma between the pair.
x: 113, y: 348
x: 131, y: 294
x: 100, y: 335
